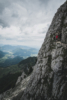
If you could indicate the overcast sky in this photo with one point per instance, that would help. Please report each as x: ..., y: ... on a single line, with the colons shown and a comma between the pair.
x: 25, y: 22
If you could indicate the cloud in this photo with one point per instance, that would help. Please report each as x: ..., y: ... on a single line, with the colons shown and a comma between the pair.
x: 26, y: 22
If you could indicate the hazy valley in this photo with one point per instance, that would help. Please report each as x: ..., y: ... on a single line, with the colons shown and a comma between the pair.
x: 14, y: 60
x: 11, y: 55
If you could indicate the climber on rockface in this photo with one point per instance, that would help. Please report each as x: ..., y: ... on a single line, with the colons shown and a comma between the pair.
x: 56, y: 36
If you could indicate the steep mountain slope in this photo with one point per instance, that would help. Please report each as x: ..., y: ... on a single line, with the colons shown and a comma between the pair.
x: 27, y: 64
x: 9, y: 75
x: 49, y: 78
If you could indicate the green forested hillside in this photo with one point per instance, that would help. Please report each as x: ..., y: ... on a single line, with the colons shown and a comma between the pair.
x: 9, y: 75
x: 27, y: 63
x: 8, y: 81
x: 10, y: 61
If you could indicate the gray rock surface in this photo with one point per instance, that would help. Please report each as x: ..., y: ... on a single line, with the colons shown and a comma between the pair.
x: 20, y: 78
x: 49, y: 78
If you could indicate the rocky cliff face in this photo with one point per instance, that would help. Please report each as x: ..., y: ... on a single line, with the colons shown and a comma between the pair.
x: 49, y: 78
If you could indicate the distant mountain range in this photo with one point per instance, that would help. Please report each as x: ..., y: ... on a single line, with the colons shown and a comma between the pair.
x: 25, y: 52
x: 22, y: 51
x: 11, y: 55
x: 11, y: 48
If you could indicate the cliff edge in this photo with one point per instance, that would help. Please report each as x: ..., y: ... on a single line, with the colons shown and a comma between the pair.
x: 49, y: 78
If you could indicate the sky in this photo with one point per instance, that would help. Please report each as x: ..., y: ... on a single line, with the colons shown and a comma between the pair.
x: 25, y: 22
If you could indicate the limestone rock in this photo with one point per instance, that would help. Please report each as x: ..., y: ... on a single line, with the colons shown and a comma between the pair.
x: 20, y: 78
x: 49, y: 78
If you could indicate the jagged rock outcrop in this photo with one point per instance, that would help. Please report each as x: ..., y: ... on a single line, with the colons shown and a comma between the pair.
x: 49, y: 78
x: 20, y: 78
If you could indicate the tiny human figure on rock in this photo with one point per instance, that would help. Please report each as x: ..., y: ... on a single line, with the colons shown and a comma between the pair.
x: 58, y: 37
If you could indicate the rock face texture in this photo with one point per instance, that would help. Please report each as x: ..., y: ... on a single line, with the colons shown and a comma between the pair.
x: 20, y: 78
x: 49, y: 78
